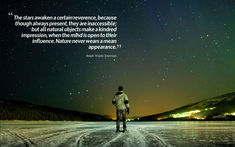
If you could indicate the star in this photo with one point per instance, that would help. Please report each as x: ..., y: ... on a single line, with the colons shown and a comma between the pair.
x: 165, y: 59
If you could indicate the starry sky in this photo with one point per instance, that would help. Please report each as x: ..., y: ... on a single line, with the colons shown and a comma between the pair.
x: 173, y: 53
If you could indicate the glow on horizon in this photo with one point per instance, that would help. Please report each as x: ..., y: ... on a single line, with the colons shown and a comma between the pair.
x: 185, y: 114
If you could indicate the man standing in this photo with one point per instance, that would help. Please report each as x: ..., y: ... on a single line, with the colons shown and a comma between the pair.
x: 120, y: 100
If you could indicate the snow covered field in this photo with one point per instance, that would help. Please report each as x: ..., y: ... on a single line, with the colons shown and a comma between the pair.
x: 170, y: 133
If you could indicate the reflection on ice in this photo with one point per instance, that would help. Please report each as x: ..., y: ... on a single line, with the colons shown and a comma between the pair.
x: 168, y: 133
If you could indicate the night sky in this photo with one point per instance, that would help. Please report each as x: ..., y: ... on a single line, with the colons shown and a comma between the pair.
x: 173, y: 53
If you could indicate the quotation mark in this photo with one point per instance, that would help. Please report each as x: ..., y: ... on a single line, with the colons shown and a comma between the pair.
x: 119, y: 46
x: 10, y: 13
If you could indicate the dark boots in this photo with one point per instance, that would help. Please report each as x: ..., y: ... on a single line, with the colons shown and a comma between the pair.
x: 117, y: 130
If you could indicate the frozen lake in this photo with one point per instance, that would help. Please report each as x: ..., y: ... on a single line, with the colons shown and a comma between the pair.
x: 169, y: 133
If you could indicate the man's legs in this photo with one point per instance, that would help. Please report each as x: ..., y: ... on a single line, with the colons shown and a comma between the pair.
x: 124, y: 120
x: 118, y: 121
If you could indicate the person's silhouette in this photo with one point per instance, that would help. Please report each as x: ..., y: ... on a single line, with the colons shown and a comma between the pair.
x: 120, y: 100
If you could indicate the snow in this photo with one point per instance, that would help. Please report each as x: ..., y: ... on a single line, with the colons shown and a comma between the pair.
x: 82, y: 134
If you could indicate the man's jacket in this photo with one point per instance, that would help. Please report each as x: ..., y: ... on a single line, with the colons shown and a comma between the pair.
x: 120, y: 100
